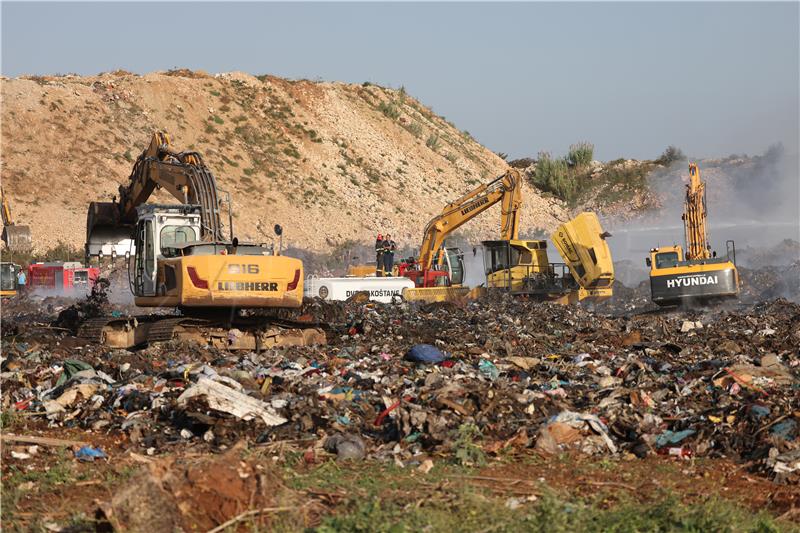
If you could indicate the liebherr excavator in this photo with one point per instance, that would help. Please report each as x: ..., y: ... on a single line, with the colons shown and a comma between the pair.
x: 699, y: 275
x: 517, y: 265
x: 182, y: 260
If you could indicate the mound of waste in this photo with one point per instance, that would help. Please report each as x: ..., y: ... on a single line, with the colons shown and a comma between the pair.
x: 500, y: 373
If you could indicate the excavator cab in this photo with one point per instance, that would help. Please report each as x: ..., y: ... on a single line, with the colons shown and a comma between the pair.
x: 519, y: 266
x: 8, y: 279
x: 582, y: 244
x: 160, y: 230
x: 174, y: 267
x: 523, y: 267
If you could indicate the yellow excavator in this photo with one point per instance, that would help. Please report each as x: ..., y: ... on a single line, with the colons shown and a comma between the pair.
x: 697, y: 275
x: 519, y: 266
x: 16, y: 238
x: 522, y: 267
x: 438, y: 271
x: 181, y: 259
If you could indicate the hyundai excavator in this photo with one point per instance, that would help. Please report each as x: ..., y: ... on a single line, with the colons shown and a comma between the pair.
x: 696, y: 275
x: 220, y: 286
x: 16, y: 238
x: 518, y: 266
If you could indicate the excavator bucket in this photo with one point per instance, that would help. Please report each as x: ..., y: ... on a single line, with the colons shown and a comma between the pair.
x: 17, y: 238
x: 582, y: 244
x: 106, y: 235
x: 435, y: 294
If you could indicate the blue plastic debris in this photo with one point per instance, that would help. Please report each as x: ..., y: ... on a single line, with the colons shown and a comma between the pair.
x: 425, y: 353
x: 89, y: 454
x: 673, y: 437
x: 785, y: 430
x: 759, y: 411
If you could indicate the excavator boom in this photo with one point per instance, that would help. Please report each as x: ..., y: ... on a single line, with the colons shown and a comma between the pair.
x: 694, y: 216
x: 506, y: 189
x: 183, y: 174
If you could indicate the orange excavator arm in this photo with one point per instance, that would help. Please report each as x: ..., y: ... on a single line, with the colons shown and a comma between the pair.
x: 506, y: 189
x: 694, y: 216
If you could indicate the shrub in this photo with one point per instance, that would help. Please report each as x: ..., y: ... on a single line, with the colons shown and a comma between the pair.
x: 415, y: 129
x: 580, y: 154
x: 389, y: 109
x: 552, y: 175
x: 524, y: 162
x: 433, y: 142
x: 671, y: 155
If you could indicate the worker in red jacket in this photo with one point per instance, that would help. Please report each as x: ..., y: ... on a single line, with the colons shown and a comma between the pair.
x: 379, y: 256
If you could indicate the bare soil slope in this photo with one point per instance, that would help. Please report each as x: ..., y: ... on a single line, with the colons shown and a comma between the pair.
x: 331, y: 162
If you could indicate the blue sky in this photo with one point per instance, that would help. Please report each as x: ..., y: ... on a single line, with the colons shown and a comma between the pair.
x: 711, y: 78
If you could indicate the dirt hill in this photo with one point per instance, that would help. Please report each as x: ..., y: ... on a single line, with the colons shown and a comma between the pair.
x: 331, y: 162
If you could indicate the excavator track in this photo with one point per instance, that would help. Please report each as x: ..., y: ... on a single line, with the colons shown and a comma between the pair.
x: 259, y: 334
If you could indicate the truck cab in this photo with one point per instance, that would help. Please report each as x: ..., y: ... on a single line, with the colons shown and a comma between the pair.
x: 446, y: 271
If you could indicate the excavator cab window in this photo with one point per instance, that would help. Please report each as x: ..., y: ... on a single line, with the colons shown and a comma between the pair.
x: 667, y: 260
x: 145, y: 263
x: 173, y: 235
x: 8, y: 276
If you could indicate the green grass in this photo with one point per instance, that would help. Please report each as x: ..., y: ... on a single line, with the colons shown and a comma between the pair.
x: 414, y: 129
x: 471, y: 510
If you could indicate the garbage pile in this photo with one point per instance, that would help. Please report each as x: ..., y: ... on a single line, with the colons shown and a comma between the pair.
x: 400, y: 383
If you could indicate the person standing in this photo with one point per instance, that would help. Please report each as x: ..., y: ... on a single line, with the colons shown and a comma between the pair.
x: 22, y: 279
x: 379, y: 256
x: 389, y: 248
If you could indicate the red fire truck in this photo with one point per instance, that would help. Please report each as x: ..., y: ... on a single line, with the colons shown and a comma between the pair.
x: 69, y: 277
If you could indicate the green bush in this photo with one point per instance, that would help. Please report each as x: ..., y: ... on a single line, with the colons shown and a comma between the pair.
x: 580, y: 154
x: 553, y: 176
x: 671, y: 155
x: 389, y: 109
x: 433, y: 141
x: 415, y: 129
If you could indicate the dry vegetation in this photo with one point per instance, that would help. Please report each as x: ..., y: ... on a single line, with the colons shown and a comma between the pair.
x: 331, y: 162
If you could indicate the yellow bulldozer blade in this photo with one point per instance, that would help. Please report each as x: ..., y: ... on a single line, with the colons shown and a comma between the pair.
x: 435, y: 294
